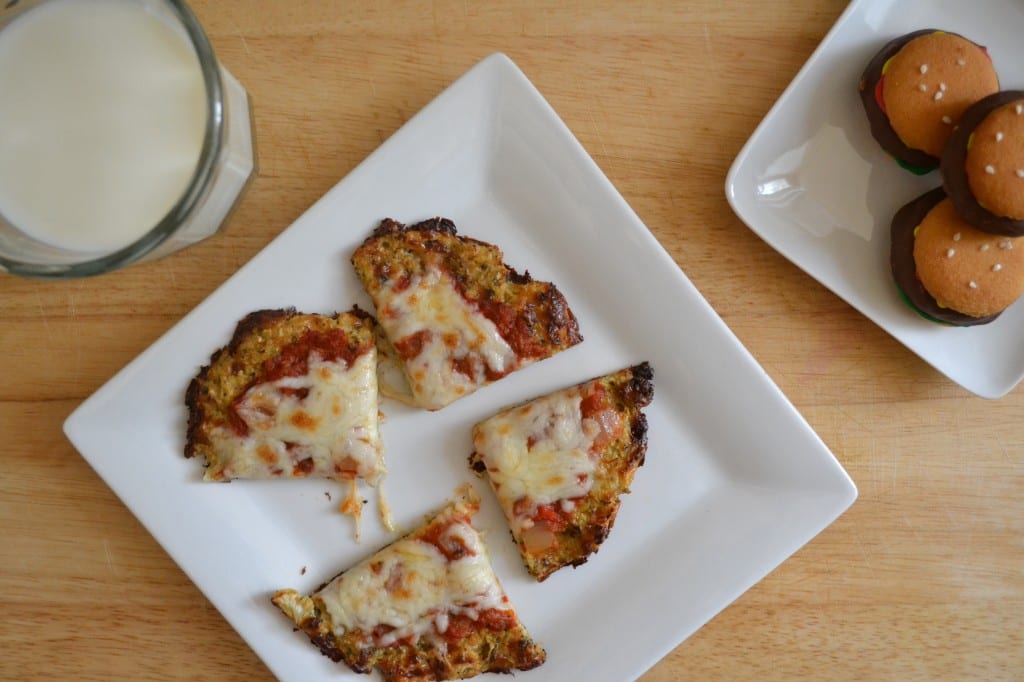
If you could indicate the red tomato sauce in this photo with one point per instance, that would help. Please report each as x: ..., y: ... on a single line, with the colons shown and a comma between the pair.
x: 293, y: 360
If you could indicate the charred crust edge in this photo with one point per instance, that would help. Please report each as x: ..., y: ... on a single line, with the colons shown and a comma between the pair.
x: 196, y: 414
x: 358, y: 312
x: 638, y: 432
x: 561, y: 320
x: 326, y: 643
x: 530, y: 654
x: 516, y: 278
x: 640, y: 390
x: 437, y: 224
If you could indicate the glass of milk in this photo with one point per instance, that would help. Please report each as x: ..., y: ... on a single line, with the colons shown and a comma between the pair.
x: 121, y: 137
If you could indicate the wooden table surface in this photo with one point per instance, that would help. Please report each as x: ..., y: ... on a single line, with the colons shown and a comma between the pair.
x: 923, y: 578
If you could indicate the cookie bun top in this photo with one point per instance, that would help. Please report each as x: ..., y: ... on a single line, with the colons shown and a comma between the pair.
x: 970, y: 271
x: 995, y: 161
x: 928, y: 84
x: 983, y: 164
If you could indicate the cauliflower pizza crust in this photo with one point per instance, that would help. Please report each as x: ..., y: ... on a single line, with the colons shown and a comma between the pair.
x: 558, y: 464
x: 292, y: 395
x: 426, y: 607
x: 454, y: 316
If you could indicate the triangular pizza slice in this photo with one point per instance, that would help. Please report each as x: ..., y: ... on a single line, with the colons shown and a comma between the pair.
x: 455, y: 317
x: 559, y: 463
x: 426, y: 607
x: 291, y: 395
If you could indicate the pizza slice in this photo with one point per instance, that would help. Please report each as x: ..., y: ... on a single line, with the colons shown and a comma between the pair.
x: 426, y: 607
x: 291, y: 395
x: 455, y: 317
x: 559, y: 463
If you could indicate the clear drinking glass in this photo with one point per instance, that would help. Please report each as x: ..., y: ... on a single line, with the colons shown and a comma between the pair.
x: 225, y: 166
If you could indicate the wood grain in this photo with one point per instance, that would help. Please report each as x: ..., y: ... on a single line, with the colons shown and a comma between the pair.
x: 922, y: 579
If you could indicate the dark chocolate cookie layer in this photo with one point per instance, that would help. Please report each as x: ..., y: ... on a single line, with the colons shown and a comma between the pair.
x: 904, y: 270
x: 954, y: 169
x: 881, y: 129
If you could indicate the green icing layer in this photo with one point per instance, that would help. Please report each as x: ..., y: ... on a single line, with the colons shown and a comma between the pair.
x: 916, y: 170
x: 921, y: 312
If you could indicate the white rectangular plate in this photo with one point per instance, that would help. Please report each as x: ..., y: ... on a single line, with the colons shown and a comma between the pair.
x: 735, y: 480
x: 814, y: 184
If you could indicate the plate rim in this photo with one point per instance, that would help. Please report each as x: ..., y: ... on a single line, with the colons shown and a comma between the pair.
x: 988, y: 388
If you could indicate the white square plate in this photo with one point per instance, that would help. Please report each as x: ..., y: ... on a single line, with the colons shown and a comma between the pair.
x: 735, y: 480
x: 814, y: 184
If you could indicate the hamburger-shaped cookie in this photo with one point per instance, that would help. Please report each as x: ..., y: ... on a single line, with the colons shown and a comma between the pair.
x: 947, y: 270
x: 917, y: 87
x: 983, y: 164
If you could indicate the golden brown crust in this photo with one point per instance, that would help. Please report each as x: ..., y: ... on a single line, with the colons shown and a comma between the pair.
x: 928, y: 85
x: 480, y: 651
x: 587, y: 525
x: 395, y: 251
x: 995, y: 161
x: 258, y: 338
x: 532, y: 317
x: 479, y: 648
x: 973, y: 272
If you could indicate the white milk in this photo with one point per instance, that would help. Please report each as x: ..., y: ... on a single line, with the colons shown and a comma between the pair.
x: 102, y: 117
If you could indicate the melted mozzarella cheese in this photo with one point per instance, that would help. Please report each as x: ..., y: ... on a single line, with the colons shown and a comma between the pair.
x: 323, y: 423
x: 457, y: 332
x: 539, y: 453
x: 410, y: 587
